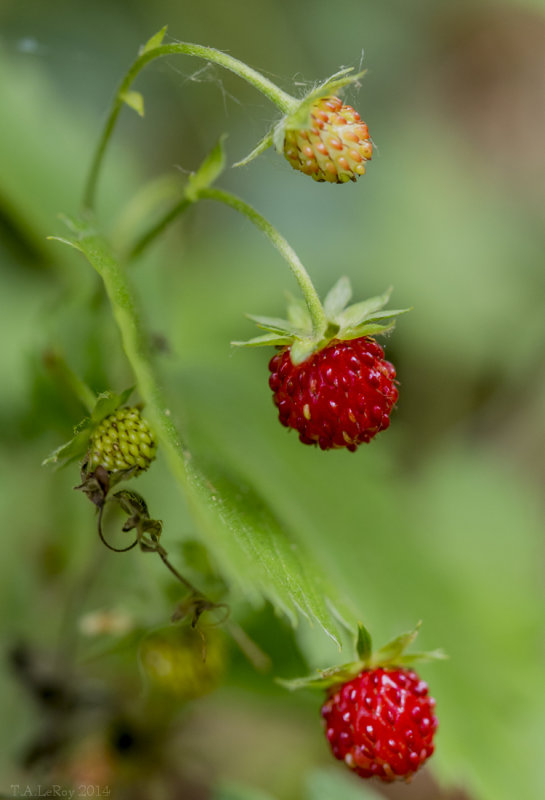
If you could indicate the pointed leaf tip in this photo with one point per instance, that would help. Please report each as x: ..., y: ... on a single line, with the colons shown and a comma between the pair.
x: 134, y: 100
x: 210, y: 169
x: 155, y: 41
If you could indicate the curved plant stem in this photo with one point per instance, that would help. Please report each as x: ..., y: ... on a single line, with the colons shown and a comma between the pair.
x: 158, y: 228
x: 135, y: 343
x: 316, y: 310
x: 59, y: 369
x: 284, y: 101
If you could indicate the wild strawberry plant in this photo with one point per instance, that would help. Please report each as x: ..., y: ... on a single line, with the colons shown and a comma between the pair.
x: 331, y: 382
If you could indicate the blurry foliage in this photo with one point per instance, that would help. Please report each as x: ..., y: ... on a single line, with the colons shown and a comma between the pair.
x: 440, y: 519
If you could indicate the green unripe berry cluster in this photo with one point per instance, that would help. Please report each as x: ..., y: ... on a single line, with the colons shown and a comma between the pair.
x: 122, y: 441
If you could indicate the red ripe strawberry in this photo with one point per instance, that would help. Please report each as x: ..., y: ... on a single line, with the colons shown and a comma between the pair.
x: 341, y: 396
x: 330, y: 380
x: 381, y: 723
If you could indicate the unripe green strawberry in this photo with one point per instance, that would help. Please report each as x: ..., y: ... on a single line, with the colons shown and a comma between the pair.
x: 336, y: 145
x: 122, y: 441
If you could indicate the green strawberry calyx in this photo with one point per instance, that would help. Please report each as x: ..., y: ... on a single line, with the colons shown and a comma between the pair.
x: 342, y: 321
x: 391, y: 654
x: 77, y: 447
x: 298, y: 118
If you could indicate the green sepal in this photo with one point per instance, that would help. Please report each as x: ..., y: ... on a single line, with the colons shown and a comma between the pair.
x: 338, y: 297
x: 371, y: 318
x: 358, y: 312
x: 76, y: 448
x: 393, y: 651
x: 107, y: 403
x: 298, y: 313
x: 409, y: 659
x: 367, y: 329
x: 391, y: 655
x: 366, y: 318
x: 300, y: 118
x: 364, y: 644
x: 322, y: 679
x: 301, y: 349
x: 71, y: 450
x: 210, y: 169
x: 263, y: 145
x: 155, y: 41
x: 268, y: 339
x: 275, y: 325
x: 134, y: 100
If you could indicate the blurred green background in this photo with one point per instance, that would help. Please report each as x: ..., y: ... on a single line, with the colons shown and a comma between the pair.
x: 439, y: 519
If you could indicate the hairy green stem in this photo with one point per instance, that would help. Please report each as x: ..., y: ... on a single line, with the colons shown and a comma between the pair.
x: 284, y: 101
x: 135, y: 344
x: 64, y: 375
x: 316, y: 310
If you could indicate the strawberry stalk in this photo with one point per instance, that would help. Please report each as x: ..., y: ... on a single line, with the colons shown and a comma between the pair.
x: 312, y: 300
x: 155, y: 49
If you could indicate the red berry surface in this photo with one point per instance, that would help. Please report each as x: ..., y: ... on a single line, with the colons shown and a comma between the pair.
x: 340, y: 396
x: 381, y: 723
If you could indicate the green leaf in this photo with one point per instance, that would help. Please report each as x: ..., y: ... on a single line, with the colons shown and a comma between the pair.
x: 357, y: 313
x: 210, y: 169
x: 364, y: 646
x: 337, y: 298
x: 256, y: 551
x: 155, y: 41
x: 391, y: 652
x: 272, y: 339
x: 333, y: 784
x: 134, y: 100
